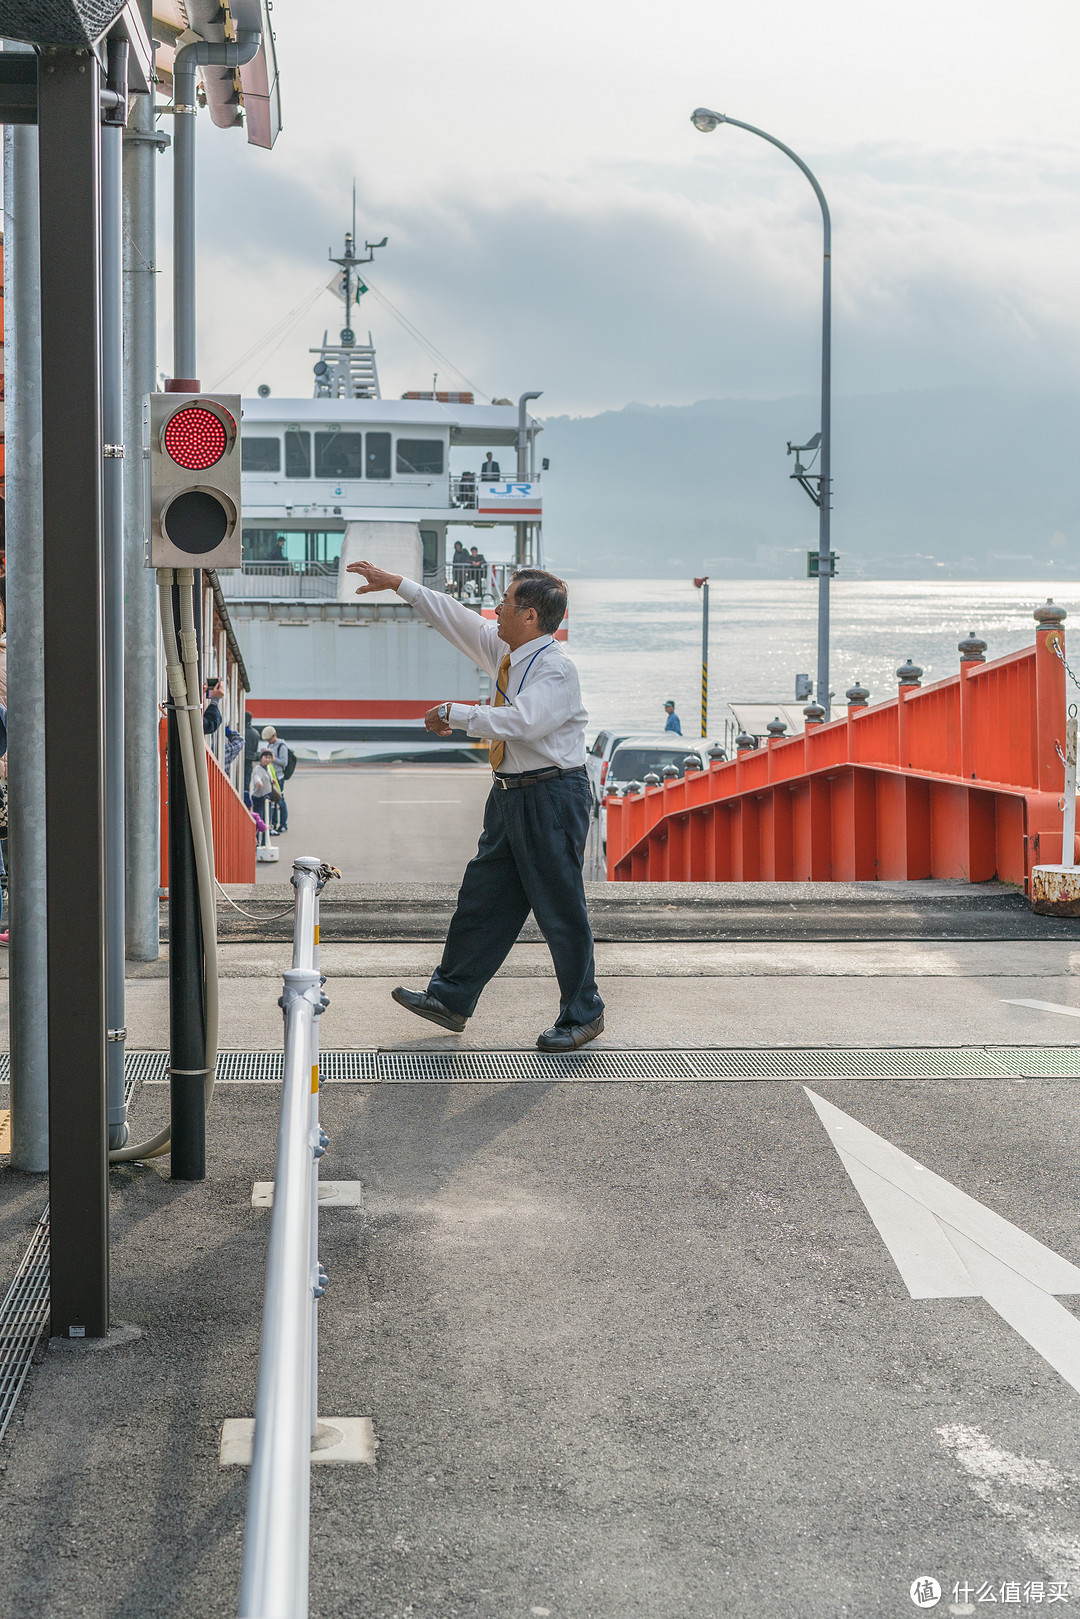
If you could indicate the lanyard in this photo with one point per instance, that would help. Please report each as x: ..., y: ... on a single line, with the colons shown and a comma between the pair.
x: 525, y: 676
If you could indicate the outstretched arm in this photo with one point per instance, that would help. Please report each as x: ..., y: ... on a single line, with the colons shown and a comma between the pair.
x: 464, y: 628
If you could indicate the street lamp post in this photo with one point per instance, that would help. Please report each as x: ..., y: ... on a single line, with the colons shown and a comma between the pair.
x: 705, y: 120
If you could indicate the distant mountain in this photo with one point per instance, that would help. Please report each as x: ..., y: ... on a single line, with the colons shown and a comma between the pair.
x: 956, y: 483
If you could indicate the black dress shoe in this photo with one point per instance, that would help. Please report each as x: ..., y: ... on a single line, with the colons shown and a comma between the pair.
x: 564, y: 1039
x: 425, y: 1005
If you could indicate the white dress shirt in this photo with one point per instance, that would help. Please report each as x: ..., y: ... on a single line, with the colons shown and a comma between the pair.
x: 542, y: 720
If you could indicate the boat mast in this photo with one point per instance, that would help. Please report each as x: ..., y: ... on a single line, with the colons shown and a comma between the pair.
x: 345, y: 370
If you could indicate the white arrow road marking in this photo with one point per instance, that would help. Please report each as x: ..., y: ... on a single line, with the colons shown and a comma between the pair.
x: 946, y: 1245
x: 1043, y: 1006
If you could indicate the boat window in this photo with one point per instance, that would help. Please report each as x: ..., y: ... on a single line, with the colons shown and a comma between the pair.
x: 286, y: 547
x: 420, y: 455
x: 339, y: 455
x: 429, y: 539
x: 377, y: 460
x: 260, y: 454
x: 633, y: 763
x: 297, y: 453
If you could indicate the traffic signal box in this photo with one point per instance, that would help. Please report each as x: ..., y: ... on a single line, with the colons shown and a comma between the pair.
x: 192, y: 458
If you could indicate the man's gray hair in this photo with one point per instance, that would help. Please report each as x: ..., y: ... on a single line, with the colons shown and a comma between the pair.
x: 544, y: 591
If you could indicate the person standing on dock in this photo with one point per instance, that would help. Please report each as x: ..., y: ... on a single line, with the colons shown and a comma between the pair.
x: 673, y: 723
x: 536, y: 821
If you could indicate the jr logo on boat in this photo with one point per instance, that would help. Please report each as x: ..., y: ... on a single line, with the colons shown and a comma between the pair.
x: 509, y: 497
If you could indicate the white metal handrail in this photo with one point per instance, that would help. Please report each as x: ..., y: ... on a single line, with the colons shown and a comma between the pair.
x: 274, y: 1577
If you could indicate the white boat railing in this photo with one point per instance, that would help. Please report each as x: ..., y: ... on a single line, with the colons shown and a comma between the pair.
x: 274, y: 1578
x: 478, y: 586
x: 304, y: 581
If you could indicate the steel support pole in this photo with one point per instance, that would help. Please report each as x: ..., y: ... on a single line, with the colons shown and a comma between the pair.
x: 70, y: 201
x: 824, y: 696
x: 112, y: 423
x: 28, y: 964
x: 184, y: 225
x: 142, y: 826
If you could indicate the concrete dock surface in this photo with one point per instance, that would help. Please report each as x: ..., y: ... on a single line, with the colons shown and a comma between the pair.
x: 631, y: 1350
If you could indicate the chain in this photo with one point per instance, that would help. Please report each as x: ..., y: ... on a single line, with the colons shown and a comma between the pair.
x: 1056, y: 644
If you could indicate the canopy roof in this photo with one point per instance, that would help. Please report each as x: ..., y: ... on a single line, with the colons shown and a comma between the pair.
x: 246, y: 95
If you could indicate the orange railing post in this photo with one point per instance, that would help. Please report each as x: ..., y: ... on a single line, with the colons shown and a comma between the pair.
x: 1050, y: 696
x: 972, y: 653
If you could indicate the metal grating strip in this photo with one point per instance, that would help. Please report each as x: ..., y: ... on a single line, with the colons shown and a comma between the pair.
x: 701, y: 1063
x: 23, y: 1315
x: 25, y: 1310
x: 487, y: 1067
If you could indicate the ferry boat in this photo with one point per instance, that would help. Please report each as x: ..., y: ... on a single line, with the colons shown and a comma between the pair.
x: 347, y: 475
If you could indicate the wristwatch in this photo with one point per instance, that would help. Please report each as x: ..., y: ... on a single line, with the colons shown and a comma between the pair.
x: 444, y: 712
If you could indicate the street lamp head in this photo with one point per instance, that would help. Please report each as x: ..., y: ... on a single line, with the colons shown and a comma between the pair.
x: 706, y: 121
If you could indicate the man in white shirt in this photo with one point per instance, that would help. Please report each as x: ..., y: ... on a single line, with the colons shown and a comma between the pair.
x: 536, y: 821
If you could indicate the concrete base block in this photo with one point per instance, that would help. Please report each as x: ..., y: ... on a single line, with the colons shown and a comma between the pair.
x: 332, y: 1195
x: 1055, y: 890
x: 343, y: 1440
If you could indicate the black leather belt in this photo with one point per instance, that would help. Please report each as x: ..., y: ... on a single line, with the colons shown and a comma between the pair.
x: 526, y: 777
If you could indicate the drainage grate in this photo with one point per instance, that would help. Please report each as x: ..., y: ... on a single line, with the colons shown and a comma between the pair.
x: 599, y: 1065
x: 911, y: 1062
x: 144, y: 1068
x: 25, y: 1310
x: 700, y: 1063
x: 23, y: 1315
x: 361, y: 1067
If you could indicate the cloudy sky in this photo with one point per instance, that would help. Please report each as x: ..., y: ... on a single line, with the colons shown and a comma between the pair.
x: 556, y: 222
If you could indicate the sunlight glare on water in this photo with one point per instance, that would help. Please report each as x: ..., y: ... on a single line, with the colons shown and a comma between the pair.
x: 638, y: 641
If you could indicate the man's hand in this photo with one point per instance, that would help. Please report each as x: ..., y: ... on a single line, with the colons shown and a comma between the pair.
x: 377, y: 578
x: 433, y: 721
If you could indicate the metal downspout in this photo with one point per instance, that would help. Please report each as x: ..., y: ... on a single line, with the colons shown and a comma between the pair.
x: 142, y: 144
x: 28, y: 1028
x: 187, y: 60
x: 523, y: 548
x: 112, y: 423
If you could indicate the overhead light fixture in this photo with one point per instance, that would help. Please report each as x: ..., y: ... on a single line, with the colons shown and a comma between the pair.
x: 706, y: 121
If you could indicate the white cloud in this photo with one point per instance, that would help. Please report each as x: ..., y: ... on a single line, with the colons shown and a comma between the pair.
x: 555, y: 221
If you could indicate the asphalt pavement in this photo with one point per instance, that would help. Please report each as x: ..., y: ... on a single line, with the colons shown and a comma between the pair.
x: 631, y: 1352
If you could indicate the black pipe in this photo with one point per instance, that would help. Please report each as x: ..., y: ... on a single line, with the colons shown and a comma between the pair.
x: 187, y: 1010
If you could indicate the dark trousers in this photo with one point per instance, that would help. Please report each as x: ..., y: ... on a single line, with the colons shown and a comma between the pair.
x: 529, y: 859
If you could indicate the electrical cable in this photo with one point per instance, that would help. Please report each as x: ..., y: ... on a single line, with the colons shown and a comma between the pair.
x: 181, y: 668
x: 251, y: 914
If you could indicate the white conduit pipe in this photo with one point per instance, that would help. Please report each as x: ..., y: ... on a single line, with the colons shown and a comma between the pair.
x: 182, y: 673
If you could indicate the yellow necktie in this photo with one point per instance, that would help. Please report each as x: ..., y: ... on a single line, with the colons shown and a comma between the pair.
x: 502, y: 680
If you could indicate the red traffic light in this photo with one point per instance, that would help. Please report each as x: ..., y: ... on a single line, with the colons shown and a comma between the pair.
x: 195, y: 438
